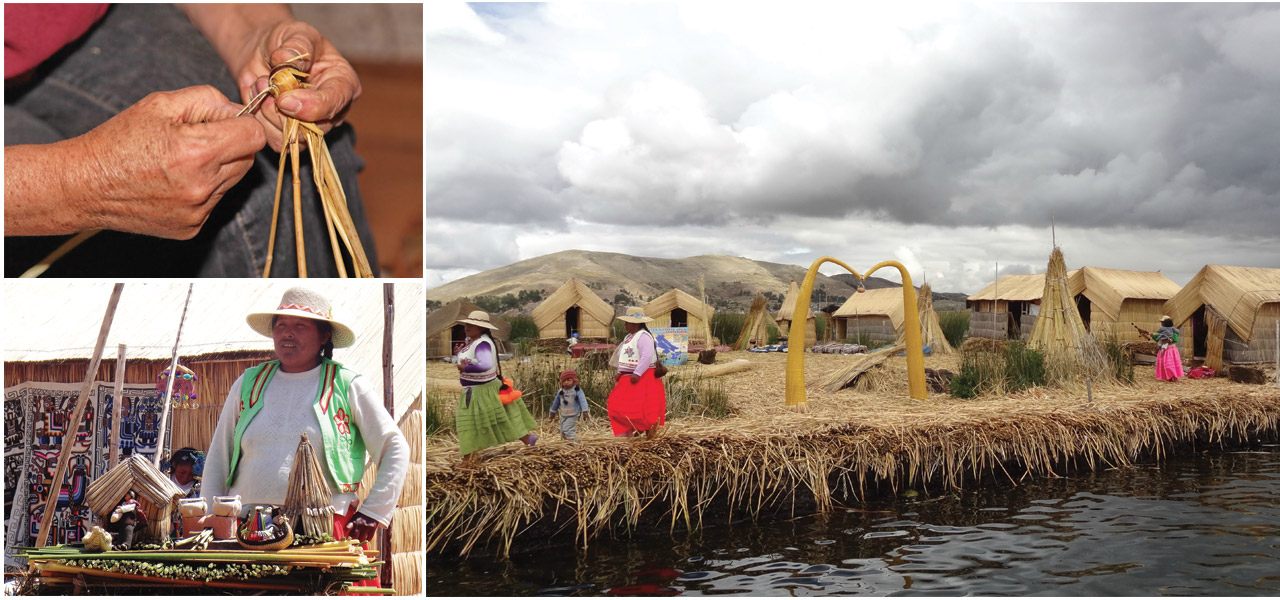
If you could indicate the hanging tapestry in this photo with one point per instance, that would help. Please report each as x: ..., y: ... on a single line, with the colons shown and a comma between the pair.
x: 40, y: 413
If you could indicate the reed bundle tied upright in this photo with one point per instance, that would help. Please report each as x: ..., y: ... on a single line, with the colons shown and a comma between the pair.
x: 337, y: 218
x: 308, y: 501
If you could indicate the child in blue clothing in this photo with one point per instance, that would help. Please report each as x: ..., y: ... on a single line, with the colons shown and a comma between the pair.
x: 570, y: 403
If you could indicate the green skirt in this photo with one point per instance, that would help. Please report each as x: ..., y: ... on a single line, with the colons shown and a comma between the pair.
x: 483, y: 421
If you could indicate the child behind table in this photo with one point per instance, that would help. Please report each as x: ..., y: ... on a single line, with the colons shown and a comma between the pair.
x: 570, y: 403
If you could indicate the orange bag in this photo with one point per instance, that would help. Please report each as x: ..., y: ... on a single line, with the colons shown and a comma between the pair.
x: 508, y: 392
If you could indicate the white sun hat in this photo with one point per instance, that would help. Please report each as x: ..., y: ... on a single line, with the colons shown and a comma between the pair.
x: 635, y: 314
x: 308, y: 304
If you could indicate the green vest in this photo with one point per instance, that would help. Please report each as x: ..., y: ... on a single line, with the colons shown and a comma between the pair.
x: 343, y: 446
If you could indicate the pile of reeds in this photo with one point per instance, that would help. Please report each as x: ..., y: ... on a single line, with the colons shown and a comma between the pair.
x: 313, y: 569
x: 1071, y: 352
x: 754, y: 467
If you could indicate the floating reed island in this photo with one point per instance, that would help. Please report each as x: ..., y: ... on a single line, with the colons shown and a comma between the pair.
x: 761, y: 460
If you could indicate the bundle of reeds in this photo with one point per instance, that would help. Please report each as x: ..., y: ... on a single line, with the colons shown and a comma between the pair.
x: 1070, y: 351
x: 337, y: 218
x: 318, y: 568
x: 931, y: 333
x: 308, y: 503
x: 755, y: 319
x: 858, y: 366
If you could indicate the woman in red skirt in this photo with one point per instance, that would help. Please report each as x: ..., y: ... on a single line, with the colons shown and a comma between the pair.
x: 638, y: 402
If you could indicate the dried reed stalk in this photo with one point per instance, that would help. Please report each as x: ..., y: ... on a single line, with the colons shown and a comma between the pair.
x: 308, y: 502
x: 753, y: 322
x: 333, y: 199
x: 1070, y: 351
x: 861, y: 364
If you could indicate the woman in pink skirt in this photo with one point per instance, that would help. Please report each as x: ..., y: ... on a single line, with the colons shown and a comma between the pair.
x: 638, y: 402
x: 1169, y: 359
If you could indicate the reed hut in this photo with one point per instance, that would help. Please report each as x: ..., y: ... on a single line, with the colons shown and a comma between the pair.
x: 1007, y: 309
x: 677, y: 308
x: 930, y: 327
x: 573, y: 308
x: 1114, y: 300
x: 1228, y: 315
x: 157, y: 495
x: 54, y: 325
x: 787, y: 312
x: 444, y: 332
x: 875, y: 314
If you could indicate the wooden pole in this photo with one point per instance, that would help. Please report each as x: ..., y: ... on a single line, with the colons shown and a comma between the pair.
x: 388, y: 400
x: 1278, y: 353
x: 69, y: 435
x: 168, y: 388
x: 117, y: 409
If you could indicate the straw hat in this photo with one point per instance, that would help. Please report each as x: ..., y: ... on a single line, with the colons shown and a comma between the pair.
x: 1166, y: 318
x: 635, y: 314
x: 479, y: 317
x: 308, y: 304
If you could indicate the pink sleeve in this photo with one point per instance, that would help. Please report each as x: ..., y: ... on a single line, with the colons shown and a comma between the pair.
x: 34, y: 32
x: 646, y: 352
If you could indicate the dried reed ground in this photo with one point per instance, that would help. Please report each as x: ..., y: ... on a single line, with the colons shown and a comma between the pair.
x: 763, y: 456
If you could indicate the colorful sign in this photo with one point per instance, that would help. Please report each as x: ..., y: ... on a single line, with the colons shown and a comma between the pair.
x: 673, y: 344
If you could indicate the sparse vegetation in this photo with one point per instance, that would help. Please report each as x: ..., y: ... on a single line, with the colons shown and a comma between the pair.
x: 727, y: 326
x: 995, y: 368
x: 523, y: 328
x: 438, y: 412
x: 1119, y: 359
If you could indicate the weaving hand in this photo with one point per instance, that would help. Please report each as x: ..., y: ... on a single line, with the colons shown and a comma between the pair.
x: 335, y: 85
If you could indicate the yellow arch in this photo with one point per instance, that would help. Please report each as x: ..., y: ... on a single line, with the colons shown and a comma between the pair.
x: 795, y: 395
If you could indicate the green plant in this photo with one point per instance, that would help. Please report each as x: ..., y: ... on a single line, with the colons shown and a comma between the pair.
x: 727, y: 326
x: 523, y: 328
x: 1024, y: 367
x: 820, y: 325
x: 1119, y: 360
x: 773, y: 334
x: 696, y: 398
x: 982, y: 371
x: 965, y: 384
x: 955, y: 324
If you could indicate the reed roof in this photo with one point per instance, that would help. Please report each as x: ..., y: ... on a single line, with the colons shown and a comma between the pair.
x: 677, y: 298
x: 573, y: 293
x: 883, y: 301
x: 1022, y: 288
x: 443, y: 318
x: 1237, y: 293
x: 789, y: 303
x: 1107, y: 289
x: 59, y: 320
x: 133, y: 473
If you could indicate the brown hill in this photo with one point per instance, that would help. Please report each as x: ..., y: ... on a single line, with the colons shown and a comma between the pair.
x: 622, y: 279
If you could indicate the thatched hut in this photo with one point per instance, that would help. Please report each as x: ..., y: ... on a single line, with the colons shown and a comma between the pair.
x: 1007, y: 308
x: 677, y: 308
x: 787, y: 312
x: 444, y: 332
x: 1228, y: 314
x: 156, y: 495
x: 1114, y: 300
x: 573, y: 308
x: 877, y: 314
x: 50, y: 338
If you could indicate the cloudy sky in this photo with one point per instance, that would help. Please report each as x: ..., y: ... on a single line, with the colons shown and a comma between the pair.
x: 940, y: 135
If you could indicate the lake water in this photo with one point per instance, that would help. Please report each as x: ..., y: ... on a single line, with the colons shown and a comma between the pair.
x: 1203, y: 524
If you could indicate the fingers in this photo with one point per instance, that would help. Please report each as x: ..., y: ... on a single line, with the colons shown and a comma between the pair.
x: 233, y: 138
x: 297, y: 44
x: 329, y: 99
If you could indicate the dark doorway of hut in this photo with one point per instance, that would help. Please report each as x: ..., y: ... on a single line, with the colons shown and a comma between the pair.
x: 571, y: 324
x: 1199, y: 334
x: 457, y: 336
x: 679, y: 317
x: 1013, y: 318
x: 1085, y: 307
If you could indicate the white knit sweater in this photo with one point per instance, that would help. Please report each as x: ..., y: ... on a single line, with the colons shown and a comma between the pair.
x: 268, y: 445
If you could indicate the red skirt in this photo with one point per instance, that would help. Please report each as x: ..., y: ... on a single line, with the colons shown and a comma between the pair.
x: 637, y: 406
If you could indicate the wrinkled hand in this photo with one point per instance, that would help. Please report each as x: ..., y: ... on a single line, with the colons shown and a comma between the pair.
x: 335, y: 85
x: 160, y: 166
x: 361, y: 528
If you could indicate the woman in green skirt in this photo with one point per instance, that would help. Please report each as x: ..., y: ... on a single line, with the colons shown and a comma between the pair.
x: 483, y: 420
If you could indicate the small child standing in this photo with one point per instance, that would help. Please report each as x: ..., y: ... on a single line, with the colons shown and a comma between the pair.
x: 570, y: 403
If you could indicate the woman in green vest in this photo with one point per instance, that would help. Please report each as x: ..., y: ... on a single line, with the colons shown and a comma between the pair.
x: 304, y: 390
x: 482, y: 419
